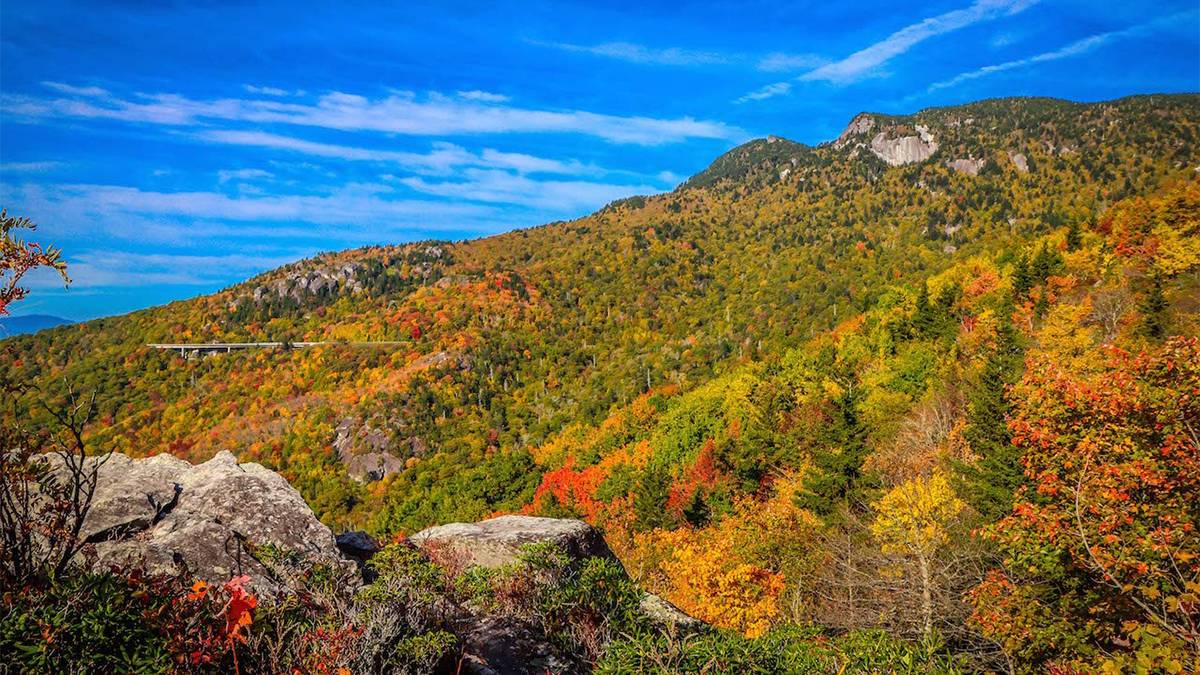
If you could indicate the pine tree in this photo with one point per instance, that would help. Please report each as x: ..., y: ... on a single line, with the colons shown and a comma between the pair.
x: 697, y: 512
x: 650, y: 499
x: 1045, y: 263
x: 839, y: 479
x: 991, y: 481
x: 1022, y: 277
x: 945, y: 320
x: 1153, y: 307
x: 1074, y: 236
x: 923, y: 318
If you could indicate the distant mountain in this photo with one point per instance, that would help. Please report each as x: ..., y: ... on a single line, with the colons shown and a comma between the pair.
x: 935, y: 376
x: 29, y: 323
x: 508, y: 340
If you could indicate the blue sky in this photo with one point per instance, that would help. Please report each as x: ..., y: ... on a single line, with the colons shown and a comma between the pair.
x: 174, y: 148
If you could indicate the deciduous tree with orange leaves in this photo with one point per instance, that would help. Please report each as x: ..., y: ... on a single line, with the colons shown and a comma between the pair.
x: 18, y: 257
x: 1102, y: 555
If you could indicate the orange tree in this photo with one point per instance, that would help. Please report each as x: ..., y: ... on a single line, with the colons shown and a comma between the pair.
x: 1102, y: 553
x: 18, y: 257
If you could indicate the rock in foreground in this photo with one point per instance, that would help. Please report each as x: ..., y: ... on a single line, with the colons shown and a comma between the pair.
x: 497, y: 541
x: 204, y: 521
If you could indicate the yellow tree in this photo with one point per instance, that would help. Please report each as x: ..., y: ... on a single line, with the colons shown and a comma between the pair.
x: 913, y: 520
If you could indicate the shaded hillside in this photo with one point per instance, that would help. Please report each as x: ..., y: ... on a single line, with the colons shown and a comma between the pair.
x: 29, y: 323
x: 510, y: 338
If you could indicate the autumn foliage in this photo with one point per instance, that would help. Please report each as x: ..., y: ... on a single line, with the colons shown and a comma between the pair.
x: 1111, y: 515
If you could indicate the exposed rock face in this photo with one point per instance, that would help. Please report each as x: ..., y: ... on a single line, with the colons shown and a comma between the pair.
x: 861, y: 124
x: 376, y: 463
x: 905, y: 149
x: 1020, y: 161
x: 497, y: 541
x: 171, y: 517
x: 970, y: 167
x: 501, y: 646
x: 669, y: 616
x: 298, y: 285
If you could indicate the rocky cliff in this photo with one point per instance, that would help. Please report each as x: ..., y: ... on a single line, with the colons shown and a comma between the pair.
x: 217, y: 520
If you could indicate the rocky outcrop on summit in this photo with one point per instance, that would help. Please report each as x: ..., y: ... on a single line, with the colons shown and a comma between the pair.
x: 895, y: 144
x: 861, y: 124
x: 300, y: 284
x: 904, y: 149
x: 497, y: 542
x: 171, y: 517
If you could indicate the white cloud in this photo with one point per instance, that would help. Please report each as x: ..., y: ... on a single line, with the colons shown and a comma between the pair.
x: 769, y: 91
x: 1076, y: 48
x: 443, y: 158
x: 135, y: 214
x: 272, y: 91
x: 484, y: 96
x: 866, y: 62
x: 242, y: 174
x: 779, y: 62
x: 29, y: 167
x: 71, y: 90
x: 122, y: 268
x: 397, y: 113
x: 635, y: 53
x: 484, y: 185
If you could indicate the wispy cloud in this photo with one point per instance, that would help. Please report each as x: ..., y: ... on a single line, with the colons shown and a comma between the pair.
x: 635, y: 53
x: 227, y: 175
x: 443, y: 158
x: 779, y: 62
x: 71, y: 90
x: 775, y: 62
x: 398, y: 113
x: 1076, y: 48
x: 103, y: 268
x: 484, y: 96
x: 272, y: 91
x: 769, y: 91
x: 867, y: 61
x: 502, y: 187
x: 29, y: 167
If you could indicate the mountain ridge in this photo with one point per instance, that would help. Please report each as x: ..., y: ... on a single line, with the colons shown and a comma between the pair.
x: 509, y: 338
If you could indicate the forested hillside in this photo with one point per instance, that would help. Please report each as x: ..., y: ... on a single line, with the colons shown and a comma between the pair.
x: 905, y: 379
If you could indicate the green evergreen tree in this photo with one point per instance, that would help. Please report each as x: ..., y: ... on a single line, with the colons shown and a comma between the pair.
x: 1153, y: 306
x: 839, y: 479
x: 991, y: 482
x: 1022, y: 277
x: 697, y: 512
x: 923, y: 320
x: 650, y: 499
x: 946, y: 322
x: 1042, y: 265
x: 1074, y: 236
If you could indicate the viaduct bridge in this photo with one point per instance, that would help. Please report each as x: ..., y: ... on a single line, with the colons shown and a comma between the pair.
x: 189, y: 349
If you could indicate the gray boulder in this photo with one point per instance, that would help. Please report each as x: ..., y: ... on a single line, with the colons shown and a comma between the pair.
x: 969, y: 166
x: 504, y: 646
x: 357, y: 545
x: 206, y: 521
x: 668, y: 616
x: 497, y: 541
